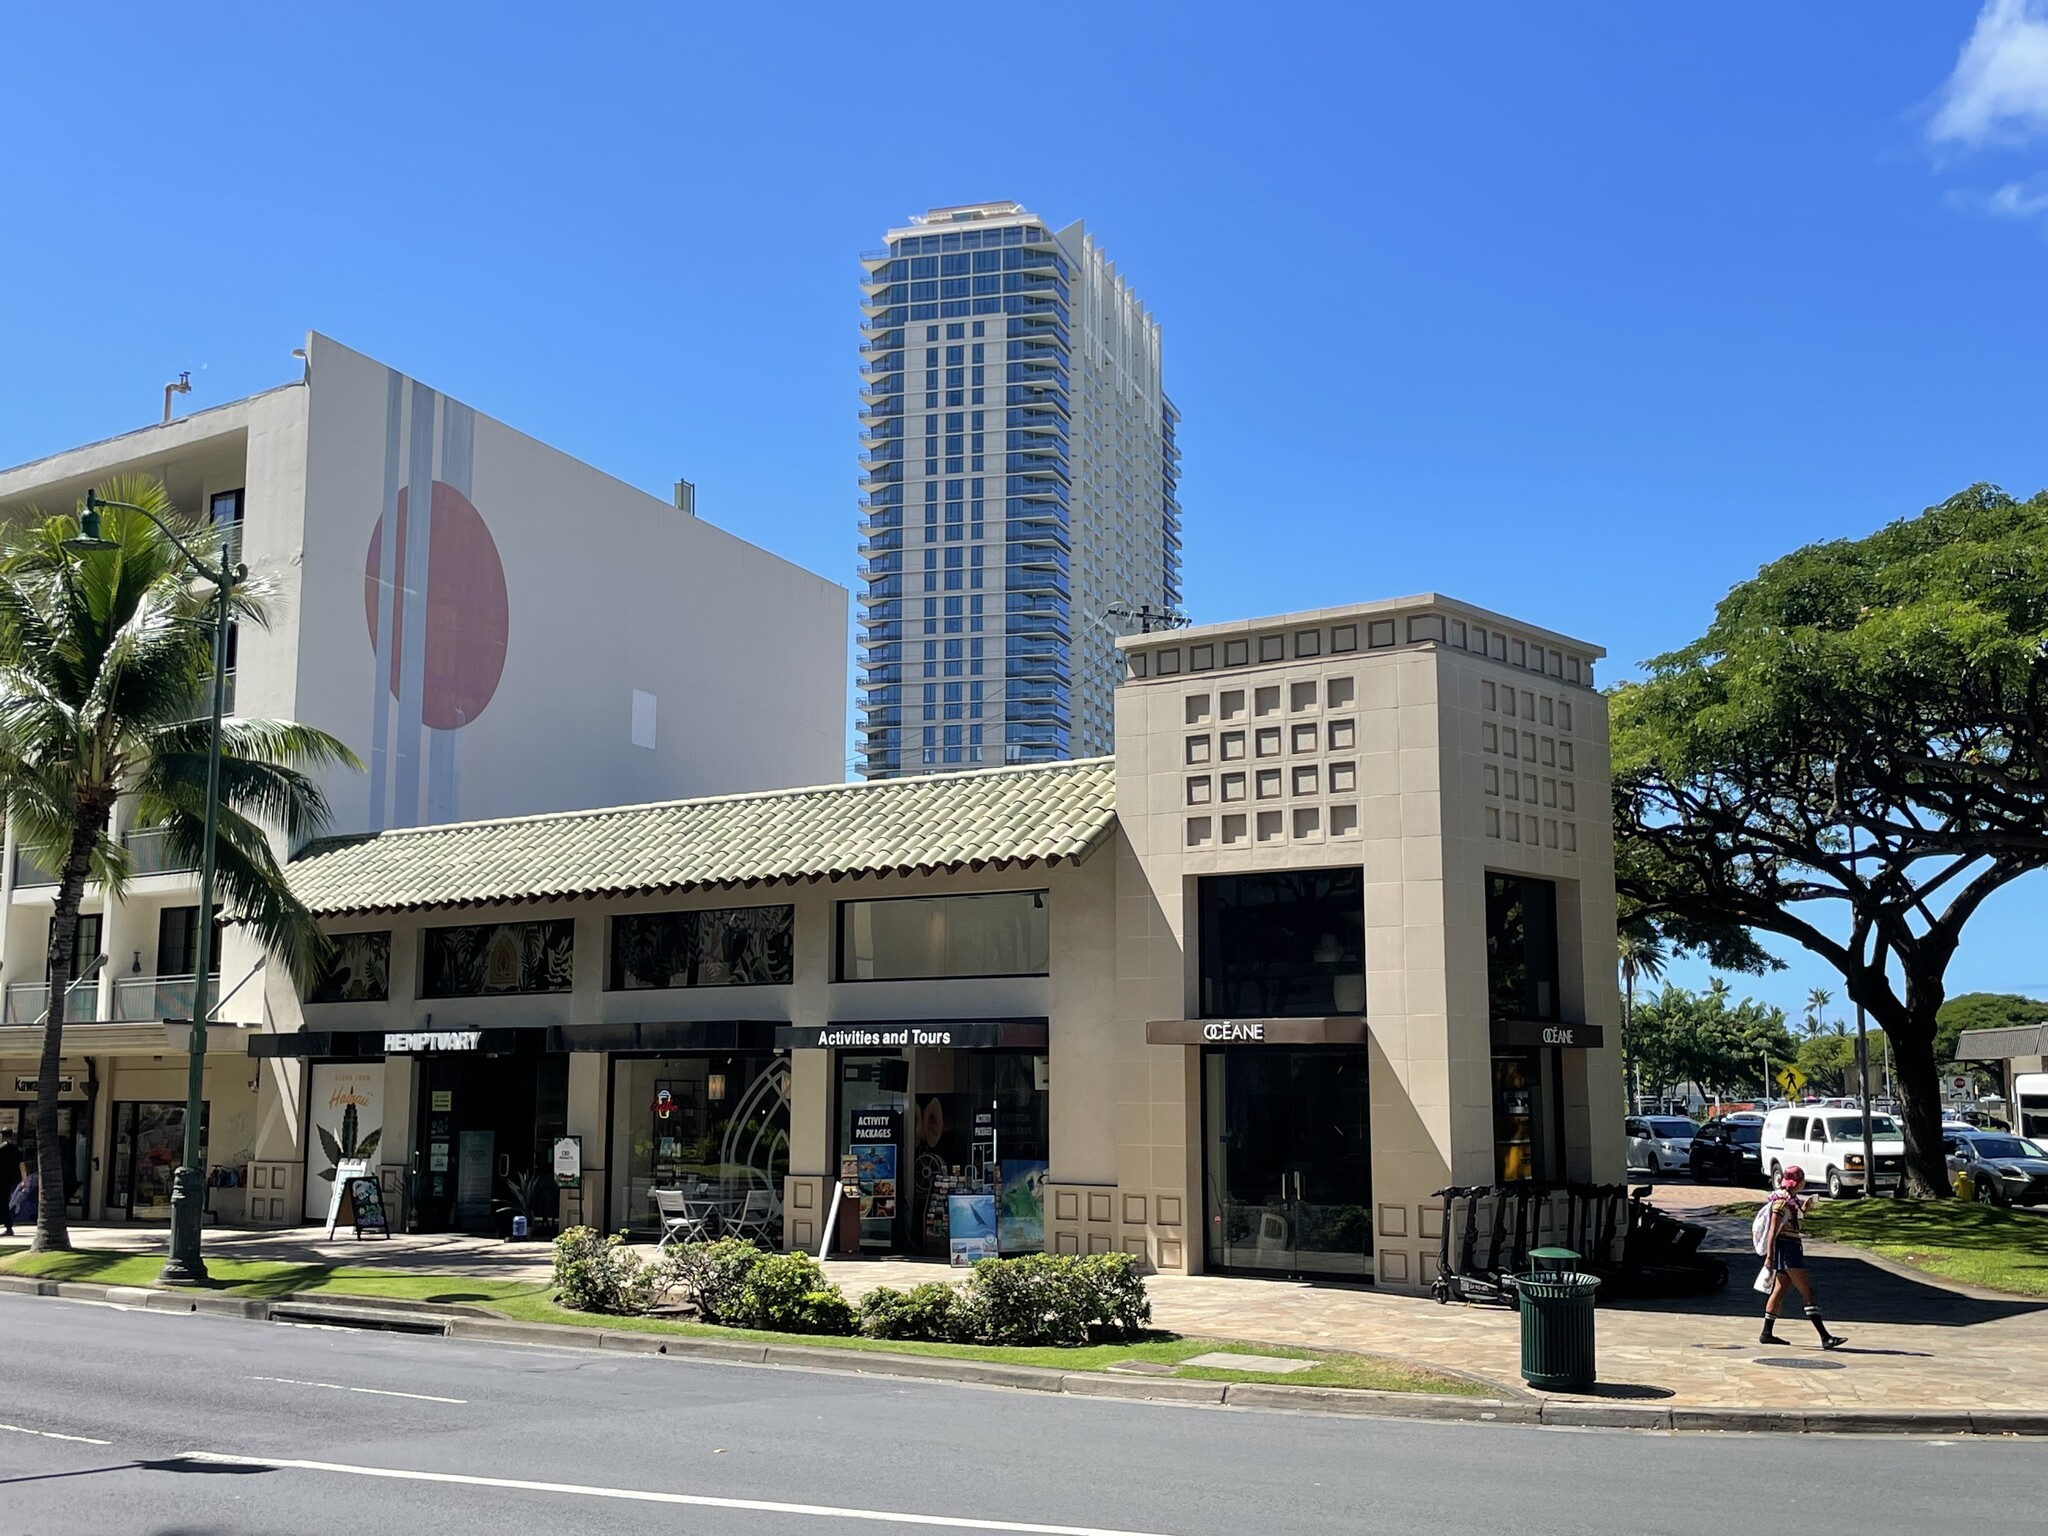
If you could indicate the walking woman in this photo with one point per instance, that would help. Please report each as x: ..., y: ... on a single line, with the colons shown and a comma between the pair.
x: 1785, y: 1257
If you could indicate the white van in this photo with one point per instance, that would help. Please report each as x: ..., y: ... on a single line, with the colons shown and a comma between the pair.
x: 2030, y: 1104
x: 1827, y: 1146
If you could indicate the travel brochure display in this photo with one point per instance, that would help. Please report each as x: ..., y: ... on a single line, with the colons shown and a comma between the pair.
x: 873, y: 1155
x: 974, y: 1204
x: 971, y: 1224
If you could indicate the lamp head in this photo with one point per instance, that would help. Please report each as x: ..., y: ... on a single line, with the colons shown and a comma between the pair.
x: 87, y: 540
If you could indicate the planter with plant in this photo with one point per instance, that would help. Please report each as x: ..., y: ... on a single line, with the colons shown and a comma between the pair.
x: 527, y: 1195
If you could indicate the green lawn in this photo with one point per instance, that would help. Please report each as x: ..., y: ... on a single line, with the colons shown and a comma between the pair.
x: 530, y: 1302
x: 2004, y: 1250
x: 248, y: 1277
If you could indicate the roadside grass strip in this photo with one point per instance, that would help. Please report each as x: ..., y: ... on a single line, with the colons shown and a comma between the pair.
x: 532, y: 1302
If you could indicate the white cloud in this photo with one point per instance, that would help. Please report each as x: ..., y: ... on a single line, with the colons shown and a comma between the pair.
x: 1999, y: 90
x: 2019, y: 199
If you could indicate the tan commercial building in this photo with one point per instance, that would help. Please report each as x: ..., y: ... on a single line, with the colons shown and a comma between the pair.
x: 1331, y: 930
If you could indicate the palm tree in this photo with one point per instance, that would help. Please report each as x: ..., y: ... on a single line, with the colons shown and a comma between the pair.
x: 1643, y: 957
x: 1816, y: 1010
x: 102, y: 657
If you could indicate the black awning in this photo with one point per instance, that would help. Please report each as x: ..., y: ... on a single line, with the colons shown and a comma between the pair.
x: 670, y: 1036
x: 321, y: 1042
x: 1521, y: 1033
x: 376, y: 1044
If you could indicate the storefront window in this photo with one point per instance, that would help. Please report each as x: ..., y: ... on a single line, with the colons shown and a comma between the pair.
x: 1283, y: 945
x: 1287, y: 1165
x: 149, y: 1141
x: 1516, y: 1103
x: 486, y: 959
x: 912, y: 938
x: 1521, y: 947
x: 981, y: 1128
x: 720, y: 947
x: 714, y: 1124
x: 74, y: 1135
x: 358, y: 969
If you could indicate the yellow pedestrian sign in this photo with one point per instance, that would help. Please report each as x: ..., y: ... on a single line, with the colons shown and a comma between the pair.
x: 1790, y: 1080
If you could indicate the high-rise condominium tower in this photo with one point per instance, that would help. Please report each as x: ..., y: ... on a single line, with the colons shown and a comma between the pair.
x: 1018, y: 477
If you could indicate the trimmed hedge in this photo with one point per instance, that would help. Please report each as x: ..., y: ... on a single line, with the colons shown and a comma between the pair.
x: 728, y: 1282
x: 1039, y: 1299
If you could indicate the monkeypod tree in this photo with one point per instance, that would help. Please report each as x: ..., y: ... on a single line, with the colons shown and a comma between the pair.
x: 1853, y: 757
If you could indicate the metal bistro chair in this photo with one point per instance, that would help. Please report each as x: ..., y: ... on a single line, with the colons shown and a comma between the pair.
x: 682, y: 1218
x: 755, y: 1216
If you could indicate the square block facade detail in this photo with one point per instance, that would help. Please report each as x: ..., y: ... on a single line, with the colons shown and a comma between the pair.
x: 1375, y: 738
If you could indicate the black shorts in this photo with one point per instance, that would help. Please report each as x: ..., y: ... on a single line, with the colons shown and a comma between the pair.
x: 1790, y: 1253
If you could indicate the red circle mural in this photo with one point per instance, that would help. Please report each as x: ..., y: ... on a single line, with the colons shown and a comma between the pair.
x: 467, y: 616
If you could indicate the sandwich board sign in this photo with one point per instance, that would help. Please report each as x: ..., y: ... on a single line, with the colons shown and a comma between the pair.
x: 366, y: 1197
x: 354, y: 1182
x: 568, y: 1161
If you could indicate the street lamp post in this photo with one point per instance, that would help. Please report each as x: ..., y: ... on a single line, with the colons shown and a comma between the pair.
x: 185, y: 1266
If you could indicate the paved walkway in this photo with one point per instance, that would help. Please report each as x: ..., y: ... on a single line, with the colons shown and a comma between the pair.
x: 1914, y: 1342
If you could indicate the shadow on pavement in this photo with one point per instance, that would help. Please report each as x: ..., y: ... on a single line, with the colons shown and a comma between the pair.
x: 1852, y: 1290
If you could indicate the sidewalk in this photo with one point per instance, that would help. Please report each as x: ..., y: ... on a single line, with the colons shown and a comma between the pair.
x: 1915, y: 1342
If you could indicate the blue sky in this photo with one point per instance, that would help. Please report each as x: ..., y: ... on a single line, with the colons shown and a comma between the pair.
x: 1579, y: 311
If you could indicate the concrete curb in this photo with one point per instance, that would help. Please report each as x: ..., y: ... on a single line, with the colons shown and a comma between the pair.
x: 471, y: 1324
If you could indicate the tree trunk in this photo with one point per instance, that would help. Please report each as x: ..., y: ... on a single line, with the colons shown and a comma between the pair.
x: 53, y: 1227
x: 1919, y: 1085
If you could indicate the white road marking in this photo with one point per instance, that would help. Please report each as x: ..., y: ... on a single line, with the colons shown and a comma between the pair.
x: 650, y: 1496
x: 335, y: 1386
x: 51, y: 1434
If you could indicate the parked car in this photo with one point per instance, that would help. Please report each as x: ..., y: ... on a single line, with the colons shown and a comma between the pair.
x: 2007, y: 1170
x: 1658, y: 1142
x: 1827, y: 1146
x: 1728, y: 1149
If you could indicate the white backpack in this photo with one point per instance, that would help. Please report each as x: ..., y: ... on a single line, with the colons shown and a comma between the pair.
x: 1760, y: 1226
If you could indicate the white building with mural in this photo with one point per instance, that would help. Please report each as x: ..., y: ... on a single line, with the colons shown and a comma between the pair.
x: 495, y: 628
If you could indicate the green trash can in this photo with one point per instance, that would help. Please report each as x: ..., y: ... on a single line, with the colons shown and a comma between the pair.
x: 1557, y: 1330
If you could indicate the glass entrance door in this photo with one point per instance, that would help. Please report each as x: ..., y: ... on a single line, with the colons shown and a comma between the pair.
x: 149, y: 1141
x: 1287, y: 1161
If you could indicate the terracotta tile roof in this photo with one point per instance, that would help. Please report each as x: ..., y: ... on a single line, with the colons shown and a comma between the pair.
x: 997, y: 816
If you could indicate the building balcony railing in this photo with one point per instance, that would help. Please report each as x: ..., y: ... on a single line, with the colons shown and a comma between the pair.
x: 29, y: 871
x: 145, y: 999
x: 27, y: 1001
x: 150, y: 852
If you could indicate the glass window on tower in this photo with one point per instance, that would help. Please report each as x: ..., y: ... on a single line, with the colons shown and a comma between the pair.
x: 1521, y: 948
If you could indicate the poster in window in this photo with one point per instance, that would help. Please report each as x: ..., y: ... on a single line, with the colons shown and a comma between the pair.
x: 347, y: 1104
x: 971, y: 1227
x: 486, y: 959
x: 358, y: 970
x: 1020, y: 1210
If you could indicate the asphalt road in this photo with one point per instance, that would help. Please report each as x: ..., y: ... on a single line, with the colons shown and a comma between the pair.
x: 115, y: 1421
